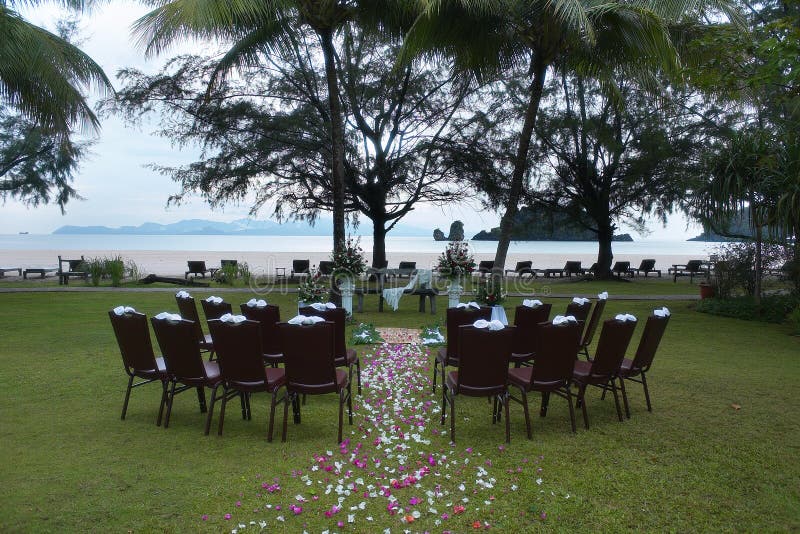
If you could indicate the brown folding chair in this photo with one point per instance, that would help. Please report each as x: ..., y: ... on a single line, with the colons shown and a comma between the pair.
x: 455, y: 317
x: 482, y: 372
x: 344, y: 357
x: 133, y: 338
x: 651, y: 337
x: 526, y: 335
x: 603, y: 370
x: 241, y: 364
x: 591, y: 327
x: 552, y: 370
x: 188, y: 310
x: 185, y: 365
x: 214, y: 310
x: 269, y: 316
x: 311, y: 370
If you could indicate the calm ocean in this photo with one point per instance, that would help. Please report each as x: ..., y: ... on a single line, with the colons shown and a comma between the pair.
x: 642, y: 248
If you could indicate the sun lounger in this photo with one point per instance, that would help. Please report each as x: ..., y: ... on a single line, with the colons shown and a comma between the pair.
x: 522, y: 268
x: 41, y: 271
x: 647, y: 266
x: 570, y: 268
x: 198, y: 268
x: 485, y: 268
x: 4, y: 270
x: 300, y: 268
x: 622, y: 267
x: 406, y: 269
x: 692, y: 268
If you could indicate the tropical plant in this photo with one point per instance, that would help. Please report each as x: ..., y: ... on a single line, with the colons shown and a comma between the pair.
x: 456, y: 261
x: 96, y: 267
x: 244, y: 272
x: 114, y: 268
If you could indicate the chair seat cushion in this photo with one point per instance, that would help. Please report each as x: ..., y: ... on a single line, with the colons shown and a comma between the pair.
x: 520, y: 376
x: 275, y: 377
x: 581, y: 370
x: 207, y: 342
x: 212, y: 371
x: 627, y: 368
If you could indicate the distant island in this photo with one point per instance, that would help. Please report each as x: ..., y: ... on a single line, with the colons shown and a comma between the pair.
x: 737, y: 229
x: 456, y: 233
x: 530, y: 225
x: 239, y: 227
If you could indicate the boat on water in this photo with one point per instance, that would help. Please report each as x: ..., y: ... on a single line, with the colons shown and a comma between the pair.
x: 23, y: 233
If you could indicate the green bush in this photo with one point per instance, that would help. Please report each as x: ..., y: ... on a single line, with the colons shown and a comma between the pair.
x: 96, y: 267
x: 794, y: 320
x: 773, y: 308
x: 133, y: 270
x: 244, y: 273
x: 115, y: 268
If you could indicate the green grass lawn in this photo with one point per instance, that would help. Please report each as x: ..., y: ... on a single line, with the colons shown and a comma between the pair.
x: 694, y: 464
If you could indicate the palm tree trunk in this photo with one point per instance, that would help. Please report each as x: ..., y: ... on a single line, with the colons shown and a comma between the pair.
x: 520, y: 166
x: 337, y: 138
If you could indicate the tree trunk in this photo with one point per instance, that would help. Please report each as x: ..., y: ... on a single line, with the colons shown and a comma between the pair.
x: 520, y: 166
x: 378, y: 243
x: 758, y: 266
x: 337, y: 146
x: 605, y: 256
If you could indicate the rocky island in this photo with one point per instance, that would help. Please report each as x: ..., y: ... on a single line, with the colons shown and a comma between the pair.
x: 530, y: 225
x: 456, y: 233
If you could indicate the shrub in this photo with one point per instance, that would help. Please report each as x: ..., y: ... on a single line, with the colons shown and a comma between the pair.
x: 735, y: 269
x: 133, y: 270
x: 773, y: 308
x: 244, y: 273
x: 794, y: 320
x: 227, y: 274
x: 114, y: 268
x: 96, y: 267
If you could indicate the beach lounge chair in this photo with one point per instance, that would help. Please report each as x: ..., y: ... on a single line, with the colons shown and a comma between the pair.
x: 74, y: 269
x: 622, y: 268
x: 647, y: 266
x: 482, y: 372
x: 197, y: 268
x: 570, y: 268
x: 522, y: 268
x: 406, y: 268
x: 41, y: 271
x: 4, y: 270
x: 692, y: 268
x: 325, y: 268
x: 485, y: 268
x: 300, y: 268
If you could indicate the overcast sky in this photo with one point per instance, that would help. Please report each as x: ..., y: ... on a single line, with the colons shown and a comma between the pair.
x: 119, y: 190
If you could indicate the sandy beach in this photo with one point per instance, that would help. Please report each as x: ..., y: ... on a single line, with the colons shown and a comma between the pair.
x: 173, y: 263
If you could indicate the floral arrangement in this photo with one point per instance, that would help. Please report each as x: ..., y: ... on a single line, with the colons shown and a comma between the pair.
x: 456, y: 261
x: 431, y: 335
x: 489, y: 292
x: 350, y: 261
x: 311, y: 289
x: 366, y: 334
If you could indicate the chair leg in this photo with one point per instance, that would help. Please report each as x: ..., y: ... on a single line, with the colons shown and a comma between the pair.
x: 243, y: 403
x: 341, y: 415
x: 272, y: 405
x: 211, y: 408
x: 435, y: 369
x: 545, y: 403
x: 624, y: 397
x: 616, y: 399
x: 164, y: 386
x: 524, y: 395
x: 646, y: 393
x: 201, y: 398
x: 571, y: 408
x: 286, y: 402
x: 508, y: 419
x: 127, y: 396
x: 452, y: 417
x: 358, y: 374
x: 170, y: 400
x: 225, y: 396
x: 495, y: 409
x: 296, y: 409
x: 582, y: 402
x: 444, y: 403
x: 349, y: 404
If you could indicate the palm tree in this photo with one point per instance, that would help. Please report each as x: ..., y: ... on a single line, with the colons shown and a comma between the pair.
x: 259, y: 27
x: 42, y: 75
x: 538, y: 35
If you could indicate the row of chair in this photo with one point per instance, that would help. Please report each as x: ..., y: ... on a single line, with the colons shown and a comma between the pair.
x: 545, y: 358
x: 248, y: 354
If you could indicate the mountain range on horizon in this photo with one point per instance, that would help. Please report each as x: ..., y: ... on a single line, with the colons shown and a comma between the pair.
x: 238, y: 227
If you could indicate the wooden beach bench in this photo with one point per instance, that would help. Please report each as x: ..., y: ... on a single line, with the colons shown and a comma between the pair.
x: 72, y: 270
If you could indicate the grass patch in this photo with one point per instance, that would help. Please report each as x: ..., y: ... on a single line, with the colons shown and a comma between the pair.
x: 693, y: 464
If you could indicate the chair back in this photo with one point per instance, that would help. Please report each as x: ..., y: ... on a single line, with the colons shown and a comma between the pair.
x: 238, y: 347
x: 196, y: 266
x: 572, y: 267
x: 651, y: 337
x: 227, y: 263
x: 614, y: 339
x: 527, y: 321
x: 133, y: 338
x: 308, y: 350
x: 408, y: 265
x: 188, y: 310
x: 215, y: 311
x: 579, y: 311
x: 557, y: 353
x: 180, y: 348
x: 301, y: 266
x: 647, y: 265
x: 337, y: 316
x: 457, y: 317
x: 326, y: 267
x: 269, y: 316
x: 483, y: 361
x: 485, y: 267
x: 594, y: 320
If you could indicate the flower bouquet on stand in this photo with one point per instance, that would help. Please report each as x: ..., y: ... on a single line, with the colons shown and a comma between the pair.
x: 348, y: 264
x: 490, y: 292
x: 455, y: 263
x: 311, y: 289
